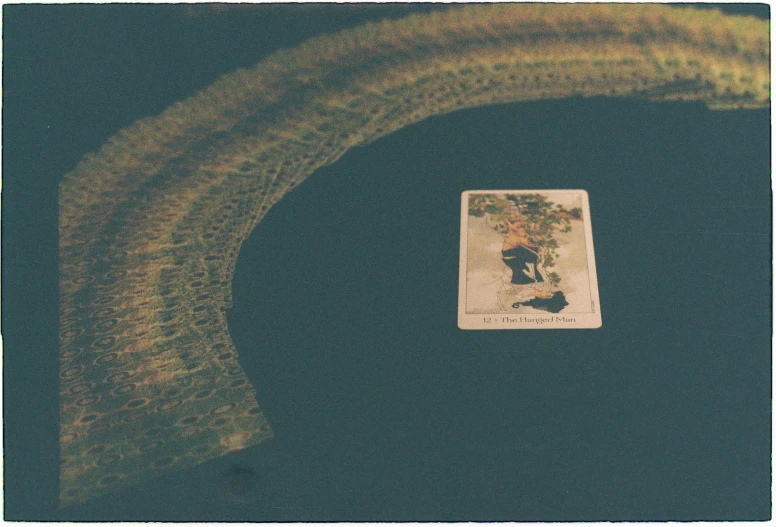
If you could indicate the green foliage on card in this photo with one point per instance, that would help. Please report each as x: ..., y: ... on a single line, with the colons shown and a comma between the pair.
x: 541, y: 218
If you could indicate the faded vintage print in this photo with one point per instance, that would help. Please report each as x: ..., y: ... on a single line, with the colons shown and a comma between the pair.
x: 232, y: 261
x: 527, y: 261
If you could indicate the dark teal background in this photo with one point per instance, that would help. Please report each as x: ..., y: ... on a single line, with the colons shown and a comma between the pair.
x: 346, y: 297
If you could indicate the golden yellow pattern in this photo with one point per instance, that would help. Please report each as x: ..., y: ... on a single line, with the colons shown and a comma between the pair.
x: 151, y: 225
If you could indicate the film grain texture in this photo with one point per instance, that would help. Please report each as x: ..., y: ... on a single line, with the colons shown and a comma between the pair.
x: 151, y: 225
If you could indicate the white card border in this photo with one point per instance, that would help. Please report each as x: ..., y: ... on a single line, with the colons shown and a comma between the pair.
x: 468, y: 321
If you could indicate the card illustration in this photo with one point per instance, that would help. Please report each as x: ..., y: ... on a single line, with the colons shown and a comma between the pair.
x: 527, y: 261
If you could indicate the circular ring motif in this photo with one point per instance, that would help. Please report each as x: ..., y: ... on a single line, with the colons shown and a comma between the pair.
x: 104, y: 312
x: 104, y: 342
x: 169, y: 405
x: 222, y: 409
x: 71, y: 333
x: 70, y: 353
x: 104, y: 359
x: 105, y: 325
x: 129, y: 418
x: 81, y: 388
x: 102, y: 300
x: 138, y: 346
x: 86, y: 401
x: 138, y: 330
x: 68, y: 322
x: 124, y: 389
x: 71, y: 372
x: 136, y: 403
x: 134, y: 315
x: 83, y: 279
x: 69, y: 437
x: 117, y: 377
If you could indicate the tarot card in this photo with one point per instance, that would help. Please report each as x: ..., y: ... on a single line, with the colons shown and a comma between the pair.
x: 527, y: 261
